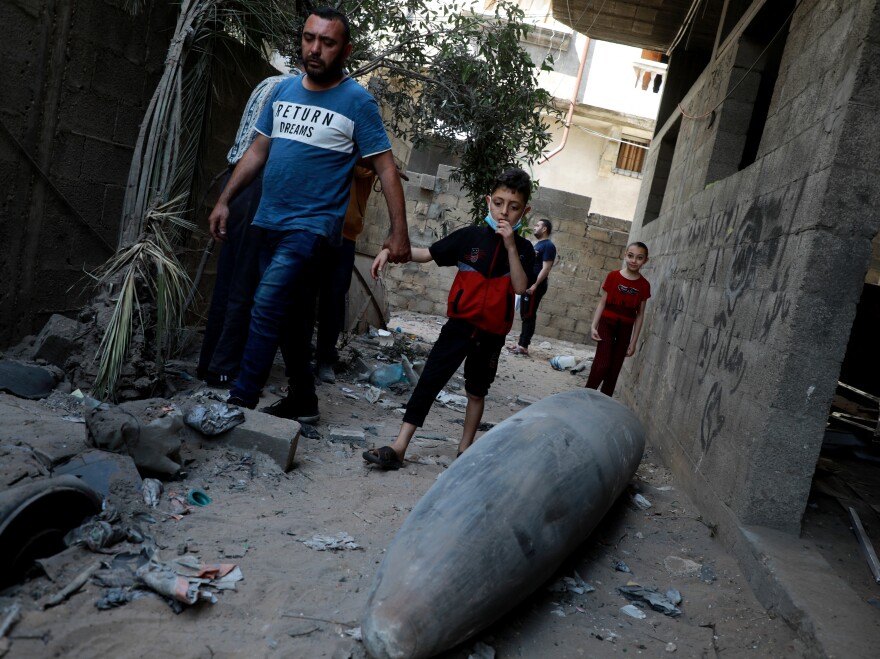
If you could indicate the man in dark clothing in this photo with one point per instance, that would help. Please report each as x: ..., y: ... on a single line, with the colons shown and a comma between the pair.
x: 545, y: 256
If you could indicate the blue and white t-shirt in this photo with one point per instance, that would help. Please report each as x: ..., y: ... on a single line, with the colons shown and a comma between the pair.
x: 317, y: 136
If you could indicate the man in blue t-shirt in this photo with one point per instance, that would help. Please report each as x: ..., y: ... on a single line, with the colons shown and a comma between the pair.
x: 545, y: 256
x: 310, y: 134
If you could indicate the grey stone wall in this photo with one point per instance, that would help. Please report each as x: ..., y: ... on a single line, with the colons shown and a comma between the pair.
x: 588, y: 246
x: 76, y: 80
x: 756, y: 273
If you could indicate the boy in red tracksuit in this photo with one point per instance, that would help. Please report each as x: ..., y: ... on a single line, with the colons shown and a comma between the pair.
x: 492, y: 264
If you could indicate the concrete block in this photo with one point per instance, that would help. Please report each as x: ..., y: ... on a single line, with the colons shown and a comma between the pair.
x: 84, y: 112
x: 277, y: 438
x: 570, y: 242
x: 562, y: 323
x: 582, y: 328
x: 595, y: 261
x: 606, y: 249
x: 86, y: 197
x: 599, y: 235
x: 437, y: 295
x: 57, y: 340
x: 444, y: 171
x: 427, y: 182
x: 608, y: 222
x: 412, y: 192
x: 67, y: 155
x: 857, y: 148
x: 105, y: 163
x: 553, y: 308
x: 611, y: 263
x: 347, y: 435
x: 448, y: 200
x: 620, y: 238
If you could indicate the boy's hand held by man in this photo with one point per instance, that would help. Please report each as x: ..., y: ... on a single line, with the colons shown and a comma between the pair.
x: 379, y: 263
x: 398, y: 247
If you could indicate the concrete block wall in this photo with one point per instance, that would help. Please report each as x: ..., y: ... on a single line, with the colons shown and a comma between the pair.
x: 76, y: 80
x: 588, y: 247
x: 756, y: 275
x: 873, y: 276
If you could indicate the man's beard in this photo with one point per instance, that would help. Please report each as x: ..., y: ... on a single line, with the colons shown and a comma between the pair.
x: 331, y: 73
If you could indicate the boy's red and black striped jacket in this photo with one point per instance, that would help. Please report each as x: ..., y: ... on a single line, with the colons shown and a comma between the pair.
x: 482, y: 292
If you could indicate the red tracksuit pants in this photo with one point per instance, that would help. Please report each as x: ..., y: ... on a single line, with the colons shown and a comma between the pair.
x: 610, y: 354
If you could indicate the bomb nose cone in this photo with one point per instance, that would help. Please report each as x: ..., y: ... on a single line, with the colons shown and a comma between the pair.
x: 390, y: 635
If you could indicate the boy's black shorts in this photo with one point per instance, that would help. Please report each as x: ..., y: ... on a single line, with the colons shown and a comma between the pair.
x: 459, y: 341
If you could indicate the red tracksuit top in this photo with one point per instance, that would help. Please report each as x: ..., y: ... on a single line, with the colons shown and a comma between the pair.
x: 482, y: 292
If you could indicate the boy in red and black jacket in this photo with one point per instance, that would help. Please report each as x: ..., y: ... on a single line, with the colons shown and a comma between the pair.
x: 492, y: 264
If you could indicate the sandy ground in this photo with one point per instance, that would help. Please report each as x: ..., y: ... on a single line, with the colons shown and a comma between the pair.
x: 298, y: 602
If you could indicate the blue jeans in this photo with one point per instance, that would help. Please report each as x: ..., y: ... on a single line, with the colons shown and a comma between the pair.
x: 285, y: 259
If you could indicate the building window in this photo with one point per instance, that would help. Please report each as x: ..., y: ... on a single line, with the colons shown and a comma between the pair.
x: 631, y: 157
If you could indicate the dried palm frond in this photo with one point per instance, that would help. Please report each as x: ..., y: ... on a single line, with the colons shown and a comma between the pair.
x: 151, y: 266
x: 165, y: 155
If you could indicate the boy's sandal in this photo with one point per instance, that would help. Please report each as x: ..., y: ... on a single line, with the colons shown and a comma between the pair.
x: 519, y: 350
x: 384, y: 458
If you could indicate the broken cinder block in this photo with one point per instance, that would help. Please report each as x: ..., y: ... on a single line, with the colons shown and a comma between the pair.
x: 341, y: 434
x: 57, y: 341
x: 277, y: 438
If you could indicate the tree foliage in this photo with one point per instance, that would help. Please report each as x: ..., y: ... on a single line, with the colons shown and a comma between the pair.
x: 456, y: 78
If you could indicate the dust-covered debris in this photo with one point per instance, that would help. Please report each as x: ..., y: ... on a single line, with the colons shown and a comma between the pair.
x: 341, y: 540
x: 652, y: 597
x: 633, y: 612
x: 214, y: 418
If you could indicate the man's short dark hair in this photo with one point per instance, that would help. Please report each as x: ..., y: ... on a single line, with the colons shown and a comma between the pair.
x: 514, y: 179
x: 547, y: 223
x: 331, y: 14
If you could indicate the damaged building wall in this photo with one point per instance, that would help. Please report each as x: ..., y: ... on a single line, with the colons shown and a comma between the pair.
x: 760, y: 211
x: 588, y: 246
x: 77, y: 77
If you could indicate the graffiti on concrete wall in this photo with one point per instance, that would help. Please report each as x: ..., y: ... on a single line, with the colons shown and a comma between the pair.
x: 752, y: 275
x: 713, y: 417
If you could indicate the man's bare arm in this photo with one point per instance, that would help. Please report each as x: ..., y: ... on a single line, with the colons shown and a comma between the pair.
x: 245, y: 171
x: 397, y: 242
x: 545, y: 271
